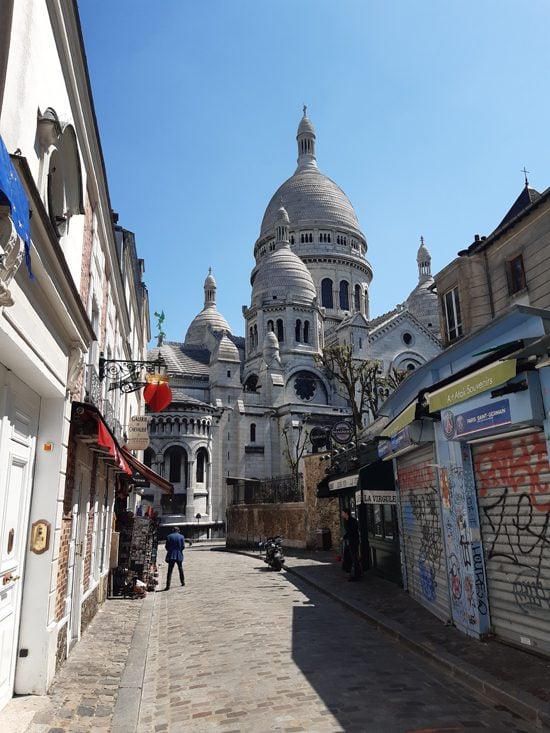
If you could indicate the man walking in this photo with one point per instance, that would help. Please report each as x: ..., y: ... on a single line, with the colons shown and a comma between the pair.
x: 175, y: 543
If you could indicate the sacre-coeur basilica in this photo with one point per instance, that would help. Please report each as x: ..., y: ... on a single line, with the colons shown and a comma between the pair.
x: 234, y: 395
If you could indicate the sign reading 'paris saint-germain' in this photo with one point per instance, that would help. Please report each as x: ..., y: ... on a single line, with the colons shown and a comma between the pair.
x: 472, y: 421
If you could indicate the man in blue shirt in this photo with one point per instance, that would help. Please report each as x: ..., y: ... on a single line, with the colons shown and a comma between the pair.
x: 175, y: 543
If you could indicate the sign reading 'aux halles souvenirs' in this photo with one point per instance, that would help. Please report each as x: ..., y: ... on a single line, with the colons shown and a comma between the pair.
x: 138, y: 433
x: 472, y: 385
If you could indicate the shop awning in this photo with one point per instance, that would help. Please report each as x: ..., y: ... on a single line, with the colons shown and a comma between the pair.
x: 94, y: 430
x: 343, y: 482
x: 377, y: 476
x: 475, y: 383
x: 405, y: 417
x: 146, y: 472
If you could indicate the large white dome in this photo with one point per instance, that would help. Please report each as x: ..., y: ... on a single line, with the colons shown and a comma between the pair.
x: 310, y: 198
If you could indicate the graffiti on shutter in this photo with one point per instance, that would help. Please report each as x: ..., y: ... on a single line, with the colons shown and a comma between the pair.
x: 513, y: 483
x: 422, y: 536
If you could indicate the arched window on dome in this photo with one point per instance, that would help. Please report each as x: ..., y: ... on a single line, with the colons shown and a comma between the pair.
x: 270, y: 327
x: 298, y: 334
x: 292, y: 239
x: 357, y: 297
x: 280, y: 330
x: 253, y: 432
x: 251, y: 338
x: 255, y: 335
x: 344, y: 295
x: 306, y: 332
x: 326, y: 293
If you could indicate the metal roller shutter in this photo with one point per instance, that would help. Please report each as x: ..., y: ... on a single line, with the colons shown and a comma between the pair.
x: 513, y: 485
x: 422, y: 534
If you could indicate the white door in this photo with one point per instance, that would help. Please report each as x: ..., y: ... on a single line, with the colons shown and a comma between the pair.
x: 77, y: 551
x: 19, y: 408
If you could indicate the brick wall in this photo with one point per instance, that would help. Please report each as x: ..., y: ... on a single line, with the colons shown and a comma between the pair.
x: 66, y: 523
x: 90, y: 525
x: 320, y: 513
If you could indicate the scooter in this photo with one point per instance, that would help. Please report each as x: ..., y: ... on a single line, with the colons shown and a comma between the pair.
x: 273, y: 549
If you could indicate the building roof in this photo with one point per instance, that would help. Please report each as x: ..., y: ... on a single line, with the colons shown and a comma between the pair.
x: 182, y: 359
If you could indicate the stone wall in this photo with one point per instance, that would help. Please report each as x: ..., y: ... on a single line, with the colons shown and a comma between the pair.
x: 298, y: 523
x: 247, y: 524
x: 320, y: 513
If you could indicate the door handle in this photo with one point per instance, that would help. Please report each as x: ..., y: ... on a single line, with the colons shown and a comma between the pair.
x: 9, y: 578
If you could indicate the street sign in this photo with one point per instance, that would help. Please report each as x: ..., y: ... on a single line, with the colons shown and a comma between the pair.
x: 342, y: 432
x: 318, y: 436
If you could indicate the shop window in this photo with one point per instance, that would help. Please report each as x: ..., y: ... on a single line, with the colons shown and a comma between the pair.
x: 515, y: 272
x: 453, y: 316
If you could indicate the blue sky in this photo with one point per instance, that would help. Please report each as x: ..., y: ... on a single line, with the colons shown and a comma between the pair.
x: 425, y: 113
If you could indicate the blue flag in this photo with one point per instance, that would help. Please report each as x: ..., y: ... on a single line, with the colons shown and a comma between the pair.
x: 11, y: 188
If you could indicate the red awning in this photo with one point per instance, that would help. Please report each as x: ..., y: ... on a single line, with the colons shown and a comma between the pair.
x: 147, y: 472
x: 104, y: 437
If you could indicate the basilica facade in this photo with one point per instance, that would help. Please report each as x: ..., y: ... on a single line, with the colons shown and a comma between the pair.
x: 242, y: 405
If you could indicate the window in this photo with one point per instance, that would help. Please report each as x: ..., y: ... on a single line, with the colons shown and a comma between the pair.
x: 407, y: 338
x: 270, y: 326
x: 344, y: 295
x: 280, y: 330
x: 202, y: 457
x: 306, y: 332
x: 326, y: 293
x: 177, y: 458
x: 515, y: 272
x: 357, y: 297
x: 229, y: 372
x: 298, y: 334
x: 253, y: 432
x: 453, y: 317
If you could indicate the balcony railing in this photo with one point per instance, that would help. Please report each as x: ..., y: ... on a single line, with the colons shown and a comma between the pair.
x: 277, y: 490
x: 94, y: 397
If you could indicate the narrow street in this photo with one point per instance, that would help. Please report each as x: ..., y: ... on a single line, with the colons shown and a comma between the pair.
x: 243, y: 649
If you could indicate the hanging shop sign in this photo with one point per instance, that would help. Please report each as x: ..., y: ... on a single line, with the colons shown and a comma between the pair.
x: 342, y: 432
x: 157, y: 394
x: 492, y: 415
x: 138, y: 433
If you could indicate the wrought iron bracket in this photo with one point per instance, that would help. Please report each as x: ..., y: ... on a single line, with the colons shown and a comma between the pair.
x: 127, y: 375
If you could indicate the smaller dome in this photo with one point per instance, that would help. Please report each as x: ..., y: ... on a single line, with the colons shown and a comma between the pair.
x: 227, y: 350
x: 283, y: 276
x: 209, y: 319
x: 305, y: 127
x: 210, y: 282
x: 282, y: 215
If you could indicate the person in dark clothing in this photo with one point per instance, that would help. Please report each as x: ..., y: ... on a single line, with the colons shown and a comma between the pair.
x: 175, y: 544
x: 351, y: 540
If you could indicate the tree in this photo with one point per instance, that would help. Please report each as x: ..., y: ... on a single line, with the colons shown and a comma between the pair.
x: 296, y: 438
x: 362, y: 381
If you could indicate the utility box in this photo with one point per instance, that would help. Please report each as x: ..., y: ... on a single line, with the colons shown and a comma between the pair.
x: 323, y: 539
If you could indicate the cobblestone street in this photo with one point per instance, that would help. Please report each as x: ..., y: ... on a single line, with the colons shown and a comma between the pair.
x: 241, y: 649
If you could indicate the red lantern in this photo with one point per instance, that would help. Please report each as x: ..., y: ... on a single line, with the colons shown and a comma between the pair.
x: 157, y: 394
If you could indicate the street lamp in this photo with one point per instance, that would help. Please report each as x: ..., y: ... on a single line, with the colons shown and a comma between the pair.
x: 198, y: 516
